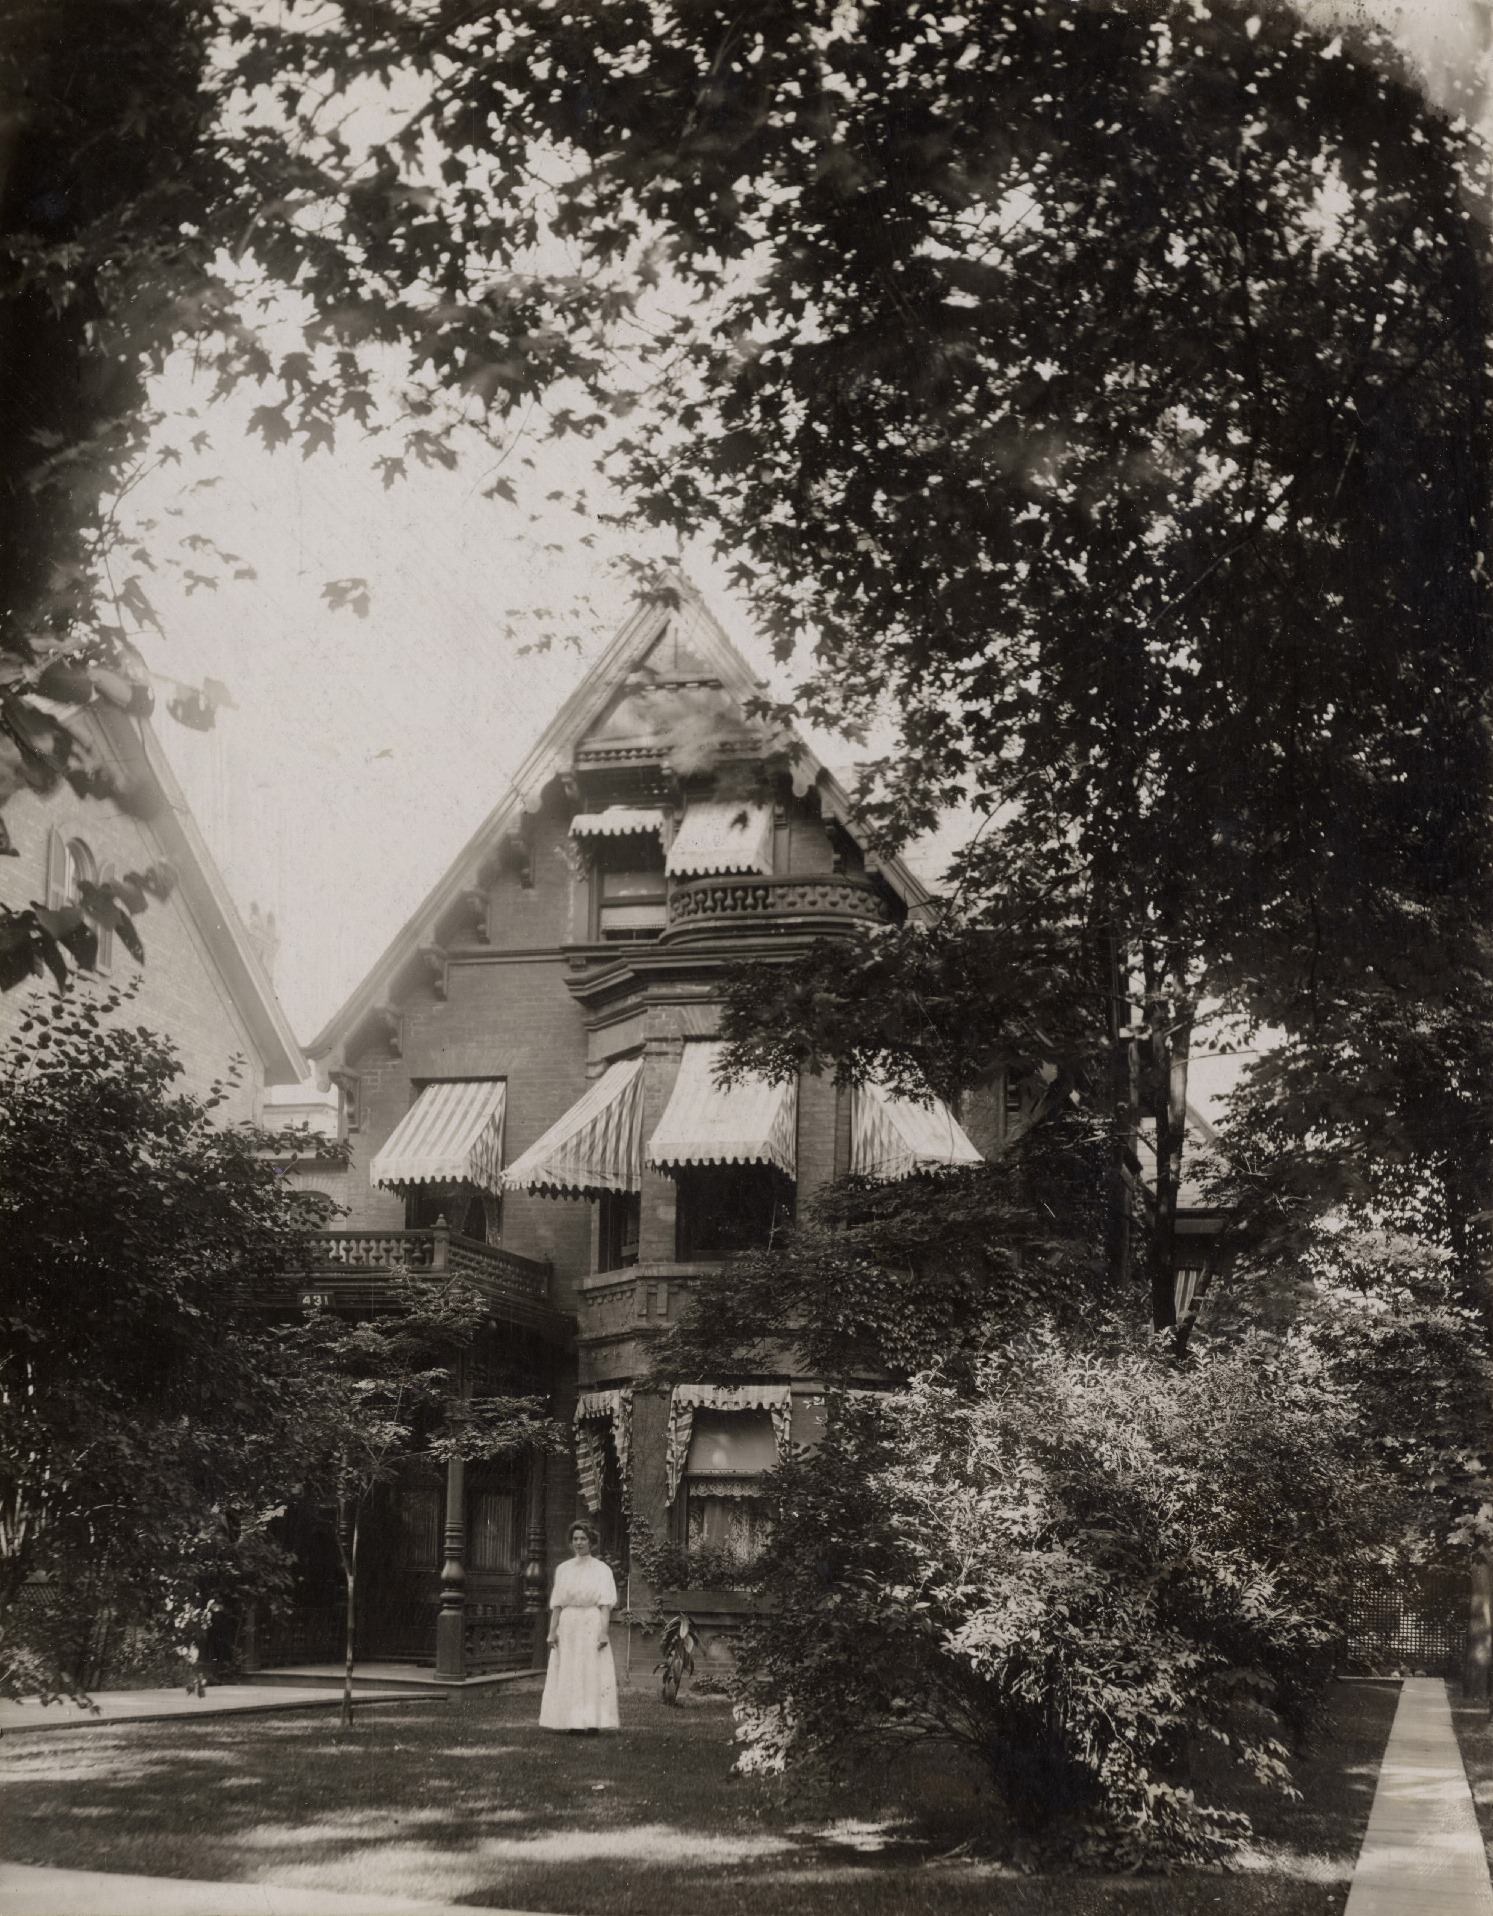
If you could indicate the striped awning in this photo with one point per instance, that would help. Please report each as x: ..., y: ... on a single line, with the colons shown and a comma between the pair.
x: 751, y: 1122
x: 894, y: 1137
x: 617, y: 821
x: 720, y: 835
x: 595, y: 1410
x: 451, y: 1134
x: 597, y: 1145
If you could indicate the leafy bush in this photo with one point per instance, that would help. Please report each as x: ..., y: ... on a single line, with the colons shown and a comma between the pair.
x: 144, y: 1441
x: 1085, y: 1568
x: 885, y: 1279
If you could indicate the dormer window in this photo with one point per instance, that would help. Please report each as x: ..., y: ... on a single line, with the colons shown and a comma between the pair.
x: 631, y: 889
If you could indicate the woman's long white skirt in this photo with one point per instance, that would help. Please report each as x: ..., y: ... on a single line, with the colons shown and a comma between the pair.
x: 580, y: 1689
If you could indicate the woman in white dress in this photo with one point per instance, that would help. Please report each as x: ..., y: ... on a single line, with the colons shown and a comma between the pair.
x: 580, y: 1689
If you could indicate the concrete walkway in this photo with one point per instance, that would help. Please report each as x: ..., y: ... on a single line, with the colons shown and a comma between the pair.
x: 25, y: 1891
x: 231, y: 1699
x: 1422, y: 1852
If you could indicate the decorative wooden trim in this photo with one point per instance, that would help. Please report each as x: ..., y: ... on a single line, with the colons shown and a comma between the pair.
x: 474, y: 908
x: 350, y: 1085
x: 515, y: 846
x: 438, y: 966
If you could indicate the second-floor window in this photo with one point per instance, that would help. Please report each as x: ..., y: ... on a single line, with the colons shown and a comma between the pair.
x: 725, y: 1208
x: 71, y: 866
x: 464, y: 1208
x: 621, y: 1222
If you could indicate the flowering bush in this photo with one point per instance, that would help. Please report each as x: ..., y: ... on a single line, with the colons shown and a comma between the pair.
x: 1084, y: 1568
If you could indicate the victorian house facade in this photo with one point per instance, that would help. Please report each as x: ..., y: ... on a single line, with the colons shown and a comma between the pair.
x: 528, y: 1091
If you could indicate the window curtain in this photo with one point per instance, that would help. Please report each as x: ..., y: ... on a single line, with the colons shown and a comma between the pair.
x: 776, y: 1399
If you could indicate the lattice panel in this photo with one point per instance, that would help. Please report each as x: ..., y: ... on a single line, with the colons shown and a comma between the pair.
x: 1416, y: 1622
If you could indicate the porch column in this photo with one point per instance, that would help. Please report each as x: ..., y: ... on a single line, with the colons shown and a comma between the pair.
x: 451, y: 1624
x: 536, y: 1576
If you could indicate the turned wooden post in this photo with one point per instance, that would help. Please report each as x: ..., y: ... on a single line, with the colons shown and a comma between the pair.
x: 451, y: 1623
x: 536, y: 1571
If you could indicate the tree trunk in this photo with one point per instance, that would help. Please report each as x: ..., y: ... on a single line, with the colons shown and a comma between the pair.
x: 349, y: 1553
x: 1477, y: 1670
x: 1124, y: 1109
x: 1171, y: 1017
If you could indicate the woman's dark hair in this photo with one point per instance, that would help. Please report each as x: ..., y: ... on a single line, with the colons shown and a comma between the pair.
x: 590, y: 1529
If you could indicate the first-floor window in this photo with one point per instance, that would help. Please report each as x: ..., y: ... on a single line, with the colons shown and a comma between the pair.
x: 725, y: 1519
x: 493, y: 1541
x: 417, y: 1516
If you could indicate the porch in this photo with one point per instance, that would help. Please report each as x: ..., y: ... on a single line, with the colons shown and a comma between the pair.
x: 452, y: 1584
x: 357, y: 1270
x: 453, y: 1562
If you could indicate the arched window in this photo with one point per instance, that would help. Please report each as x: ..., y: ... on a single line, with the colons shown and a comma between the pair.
x: 81, y: 870
x: 315, y: 1210
x: 70, y: 866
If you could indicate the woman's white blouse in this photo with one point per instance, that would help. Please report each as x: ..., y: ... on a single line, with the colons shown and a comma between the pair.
x: 583, y: 1586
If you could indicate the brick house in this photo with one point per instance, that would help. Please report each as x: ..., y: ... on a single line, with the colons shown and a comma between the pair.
x: 203, y: 984
x: 528, y: 1092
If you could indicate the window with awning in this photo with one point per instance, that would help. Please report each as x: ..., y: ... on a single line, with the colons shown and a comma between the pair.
x: 596, y: 1146
x: 630, y: 889
x: 893, y: 1137
x: 722, y: 835
x: 752, y: 1121
x: 723, y: 1511
x: 617, y: 821
x: 726, y: 1451
x: 452, y: 1134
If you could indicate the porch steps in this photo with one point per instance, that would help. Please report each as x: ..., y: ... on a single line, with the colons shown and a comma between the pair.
x: 399, y: 1678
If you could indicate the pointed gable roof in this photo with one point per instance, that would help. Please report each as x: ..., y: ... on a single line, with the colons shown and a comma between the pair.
x: 679, y: 646
x: 204, y: 893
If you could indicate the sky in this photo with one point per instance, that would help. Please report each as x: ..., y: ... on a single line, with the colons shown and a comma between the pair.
x: 360, y: 753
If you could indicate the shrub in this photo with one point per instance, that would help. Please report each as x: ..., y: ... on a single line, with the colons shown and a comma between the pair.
x: 1084, y: 1568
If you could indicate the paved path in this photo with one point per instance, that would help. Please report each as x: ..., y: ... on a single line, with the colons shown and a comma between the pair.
x: 231, y: 1699
x: 1422, y: 1852
x: 25, y: 1891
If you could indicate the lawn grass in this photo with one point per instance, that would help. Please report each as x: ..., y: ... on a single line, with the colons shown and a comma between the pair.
x: 468, y: 1801
x: 1474, y: 1726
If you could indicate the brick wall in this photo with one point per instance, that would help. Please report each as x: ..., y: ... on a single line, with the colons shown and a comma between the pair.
x: 510, y: 1018
x: 818, y: 1112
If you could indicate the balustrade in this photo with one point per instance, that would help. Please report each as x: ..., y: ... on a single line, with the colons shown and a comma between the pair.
x: 702, y: 902
x: 343, y: 1265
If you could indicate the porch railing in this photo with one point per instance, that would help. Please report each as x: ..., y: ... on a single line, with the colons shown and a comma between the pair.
x: 353, y: 1268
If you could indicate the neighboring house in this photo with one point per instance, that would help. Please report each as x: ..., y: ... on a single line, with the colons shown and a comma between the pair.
x: 527, y: 1077
x: 203, y: 984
